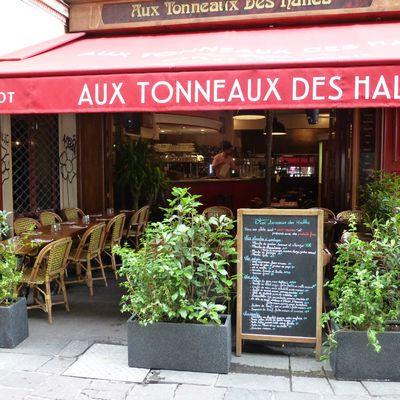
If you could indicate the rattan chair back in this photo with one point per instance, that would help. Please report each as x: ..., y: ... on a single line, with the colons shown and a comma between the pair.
x: 92, y: 241
x: 114, y: 230
x: 138, y: 221
x: 344, y: 216
x: 73, y: 214
x: 24, y: 224
x: 49, y: 265
x: 328, y: 214
x: 217, y: 211
x: 54, y: 258
x: 49, y: 218
x: 112, y: 237
x: 89, y: 248
x: 137, y: 224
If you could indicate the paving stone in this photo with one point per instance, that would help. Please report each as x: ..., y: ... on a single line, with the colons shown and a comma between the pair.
x: 348, y: 388
x: 75, y: 348
x: 262, y: 360
x: 152, y: 392
x: 305, y: 364
x: 109, y: 390
x: 296, y: 396
x: 13, y: 393
x: 389, y: 397
x: 106, y: 361
x: 246, y: 394
x: 252, y: 381
x: 22, y: 362
x: 310, y: 385
x: 86, y: 394
x: 23, y: 380
x: 60, y: 387
x: 109, y: 395
x: 346, y: 397
x: 193, y: 392
x: 194, y: 378
x: 382, y: 388
x: 36, y: 345
x: 56, y: 365
x: 110, y: 385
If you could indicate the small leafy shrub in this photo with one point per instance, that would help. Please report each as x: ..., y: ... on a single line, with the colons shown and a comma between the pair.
x: 380, y: 197
x: 180, y: 272
x: 365, y: 289
x: 9, y: 273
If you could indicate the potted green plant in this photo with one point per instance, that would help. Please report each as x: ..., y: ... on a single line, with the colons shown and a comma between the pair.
x: 176, y: 286
x: 365, y: 293
x: 13, y: 312
x: 380, y: 196
x: 137, y: 172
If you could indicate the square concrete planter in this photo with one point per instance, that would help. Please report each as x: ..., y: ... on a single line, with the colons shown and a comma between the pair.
x: 13, y: 323
x: 180, y: 346
x: 354, y: 359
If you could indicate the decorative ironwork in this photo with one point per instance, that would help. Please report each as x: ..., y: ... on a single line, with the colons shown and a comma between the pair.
x: 5, y: 158
x: 35, y: 163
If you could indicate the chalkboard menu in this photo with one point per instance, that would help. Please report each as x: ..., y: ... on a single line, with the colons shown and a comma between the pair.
x: 368, y: 126
x: 280, y: 279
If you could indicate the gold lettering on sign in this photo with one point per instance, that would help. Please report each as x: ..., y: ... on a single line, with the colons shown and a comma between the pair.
x: 289, y: 4
x: 258, y: 4
x: 174, y: 8
x: 141, y: 11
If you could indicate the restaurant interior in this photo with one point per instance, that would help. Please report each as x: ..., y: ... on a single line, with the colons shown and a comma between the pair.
x: 317, y: 158
x: 309, y: 152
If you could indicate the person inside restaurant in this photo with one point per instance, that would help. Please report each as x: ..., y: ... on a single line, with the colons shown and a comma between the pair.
x: 223, y: 162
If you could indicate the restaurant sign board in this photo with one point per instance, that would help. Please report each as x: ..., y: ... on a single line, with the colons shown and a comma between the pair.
x: 323, y: 87
x: 161, y: 14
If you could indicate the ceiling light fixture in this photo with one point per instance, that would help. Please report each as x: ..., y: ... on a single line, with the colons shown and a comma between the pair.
x: 278, y: 129
x: 249, y: 115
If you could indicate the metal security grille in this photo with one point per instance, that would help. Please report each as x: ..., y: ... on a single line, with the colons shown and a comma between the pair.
x: 35, y: 163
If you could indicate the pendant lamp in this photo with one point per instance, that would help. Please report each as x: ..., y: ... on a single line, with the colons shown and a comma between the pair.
x: 278, y: 129
x: 249, y: 115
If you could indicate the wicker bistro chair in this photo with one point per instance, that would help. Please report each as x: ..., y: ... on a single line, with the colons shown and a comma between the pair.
x: 112, y: 237
x: 328, y: 214
x: 49, y: 266
x: 217, y: 211
x: 22, y: 225
x: 137, y: 225
x: 49, y: 218
x: 89, y: 248
x: 73, y: 214
x: 344, y: 216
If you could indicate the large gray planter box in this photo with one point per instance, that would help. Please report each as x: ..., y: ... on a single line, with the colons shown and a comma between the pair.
x: 180, y: 346
x: 13, y: 323
x: 354, y: 359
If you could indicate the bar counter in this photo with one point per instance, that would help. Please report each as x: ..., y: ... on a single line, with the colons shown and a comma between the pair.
x: 231, y: 192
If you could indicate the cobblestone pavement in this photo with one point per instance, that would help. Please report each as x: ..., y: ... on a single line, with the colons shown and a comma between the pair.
x: 81, y: 371
x: 83, y: 356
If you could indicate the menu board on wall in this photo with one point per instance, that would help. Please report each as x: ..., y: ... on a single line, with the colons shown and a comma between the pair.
x: 280, y: 275
x: 368, y: 126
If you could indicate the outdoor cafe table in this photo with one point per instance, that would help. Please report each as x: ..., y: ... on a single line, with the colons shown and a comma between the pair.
x: 26, y: 243
x: 37, y: 238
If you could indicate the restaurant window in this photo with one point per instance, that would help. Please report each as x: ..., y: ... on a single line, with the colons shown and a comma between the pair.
x: 35, y: 163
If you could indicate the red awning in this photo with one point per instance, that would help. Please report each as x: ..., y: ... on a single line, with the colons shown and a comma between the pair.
x: 309, y: 67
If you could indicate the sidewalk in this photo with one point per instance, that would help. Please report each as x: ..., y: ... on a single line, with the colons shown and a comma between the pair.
x: 83, y: 356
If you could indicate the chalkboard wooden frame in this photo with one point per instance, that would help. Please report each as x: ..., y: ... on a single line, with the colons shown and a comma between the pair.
x: 319, y: 288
